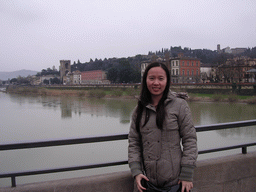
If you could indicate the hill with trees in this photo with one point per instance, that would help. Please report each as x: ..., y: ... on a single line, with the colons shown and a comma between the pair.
x: 127, y: 70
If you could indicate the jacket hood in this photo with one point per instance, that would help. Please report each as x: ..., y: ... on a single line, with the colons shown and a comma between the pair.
x: 172, y: 95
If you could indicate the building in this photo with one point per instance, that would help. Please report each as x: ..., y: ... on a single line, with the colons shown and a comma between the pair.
x: 227, y: 50
x: 76, y: 77
x: 65, y: 68
x: 236, y: 70
x: 208, y: 73
x: 236, y: 51
x: 94, y: 77
x: 184, y: 69
x: 144, y: 65
x: 48, y: 78
x: 218, y: 48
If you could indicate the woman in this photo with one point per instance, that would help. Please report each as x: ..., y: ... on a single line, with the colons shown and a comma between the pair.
x: 160, y: 121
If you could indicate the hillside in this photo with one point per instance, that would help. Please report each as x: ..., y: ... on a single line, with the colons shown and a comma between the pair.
x: 14, y: 74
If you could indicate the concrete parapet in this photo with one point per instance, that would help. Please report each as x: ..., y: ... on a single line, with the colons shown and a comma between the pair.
x: 236, y: 173
x: 119, y: 181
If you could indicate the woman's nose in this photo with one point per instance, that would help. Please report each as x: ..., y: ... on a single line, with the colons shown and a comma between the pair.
x: 156, y: 82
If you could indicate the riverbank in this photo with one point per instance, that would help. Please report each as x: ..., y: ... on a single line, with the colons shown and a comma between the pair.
x: 222, y: 98
x: 123, y: 93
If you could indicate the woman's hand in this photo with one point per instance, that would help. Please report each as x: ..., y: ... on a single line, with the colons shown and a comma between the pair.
x: 138, y: 179
x: 188, y: 185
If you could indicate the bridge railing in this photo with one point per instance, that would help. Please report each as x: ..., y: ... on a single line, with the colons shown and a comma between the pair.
x: 50, y: 143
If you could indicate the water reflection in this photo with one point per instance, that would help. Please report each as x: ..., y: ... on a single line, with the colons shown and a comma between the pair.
x: 203, y: 113
x: 249, y: 132
x: 66, y: 109
x: 212, y: 113
x: 68, y: 105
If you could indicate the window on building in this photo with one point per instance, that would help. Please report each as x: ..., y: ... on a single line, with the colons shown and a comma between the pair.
x: 192, y: 72
x: 177, y: 63
x: 172, y: 63
x: 187, y: 72
x: 192, y: 63
x: 173, y: 72
x: 197, y: 72
x: 183, y: 72
x: 187, y: 63
x: 183, y: 63
x: 177, y: 71
x: 197, y: 63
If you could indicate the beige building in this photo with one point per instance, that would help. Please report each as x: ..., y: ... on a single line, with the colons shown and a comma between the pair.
x: 76, y: 77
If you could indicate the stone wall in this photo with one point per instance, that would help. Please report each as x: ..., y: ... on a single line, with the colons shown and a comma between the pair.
x: 236, y: 173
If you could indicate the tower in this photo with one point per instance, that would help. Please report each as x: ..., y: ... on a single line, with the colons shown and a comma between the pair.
x: 65, y: 67
x: 218, y: 48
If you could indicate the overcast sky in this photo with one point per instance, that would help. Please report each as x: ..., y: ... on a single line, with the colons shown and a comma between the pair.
x: 36, y: 34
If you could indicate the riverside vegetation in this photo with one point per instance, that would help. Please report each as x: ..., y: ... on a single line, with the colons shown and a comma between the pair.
x: 123, y: 93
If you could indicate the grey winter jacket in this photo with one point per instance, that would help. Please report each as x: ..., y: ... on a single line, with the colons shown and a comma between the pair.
x: 164, y: 160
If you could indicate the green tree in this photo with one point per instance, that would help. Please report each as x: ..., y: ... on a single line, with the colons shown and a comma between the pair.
x: 126, y: 73
x: 46, y: 82
x: 13, y: 80
x: 55, y: 80
x: 112, y: 74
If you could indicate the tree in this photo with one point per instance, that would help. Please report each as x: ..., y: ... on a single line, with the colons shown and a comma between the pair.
x: 55, y: 80
x: 112, y: 74
x: 126, y: 73
x: 46, y: 82
x: 13, y: 80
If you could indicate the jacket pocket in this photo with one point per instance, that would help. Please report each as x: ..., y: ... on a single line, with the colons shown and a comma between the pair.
x: 175, y: 153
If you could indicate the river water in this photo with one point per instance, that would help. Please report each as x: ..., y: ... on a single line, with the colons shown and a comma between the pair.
x: 32, y: 118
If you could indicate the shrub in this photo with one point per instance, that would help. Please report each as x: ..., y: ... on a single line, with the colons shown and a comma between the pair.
x: 26, y: 90
x: 132, y: 92
x: 232, y: 98
x: 97, y: 93
x: 192, y: 98
x: 81, y: 93
x: 43, y: 92
x: 217, y: 97
x: 117, y: 93
x: 252, y: 101
x: 254, y: 88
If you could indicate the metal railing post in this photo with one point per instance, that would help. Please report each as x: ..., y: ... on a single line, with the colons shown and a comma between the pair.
x: 13, y: 181
x: 244, y: 150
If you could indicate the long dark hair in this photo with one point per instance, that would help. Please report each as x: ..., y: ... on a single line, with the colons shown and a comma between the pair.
x: 145, y: 98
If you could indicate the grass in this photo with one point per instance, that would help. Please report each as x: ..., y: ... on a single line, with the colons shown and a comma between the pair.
x: 222, y: 97
x: 242, y: 97
x: 124, y: 92
x: 96, y: 93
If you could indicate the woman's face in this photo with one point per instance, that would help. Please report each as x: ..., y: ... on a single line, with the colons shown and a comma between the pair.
x: 156, y: 81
